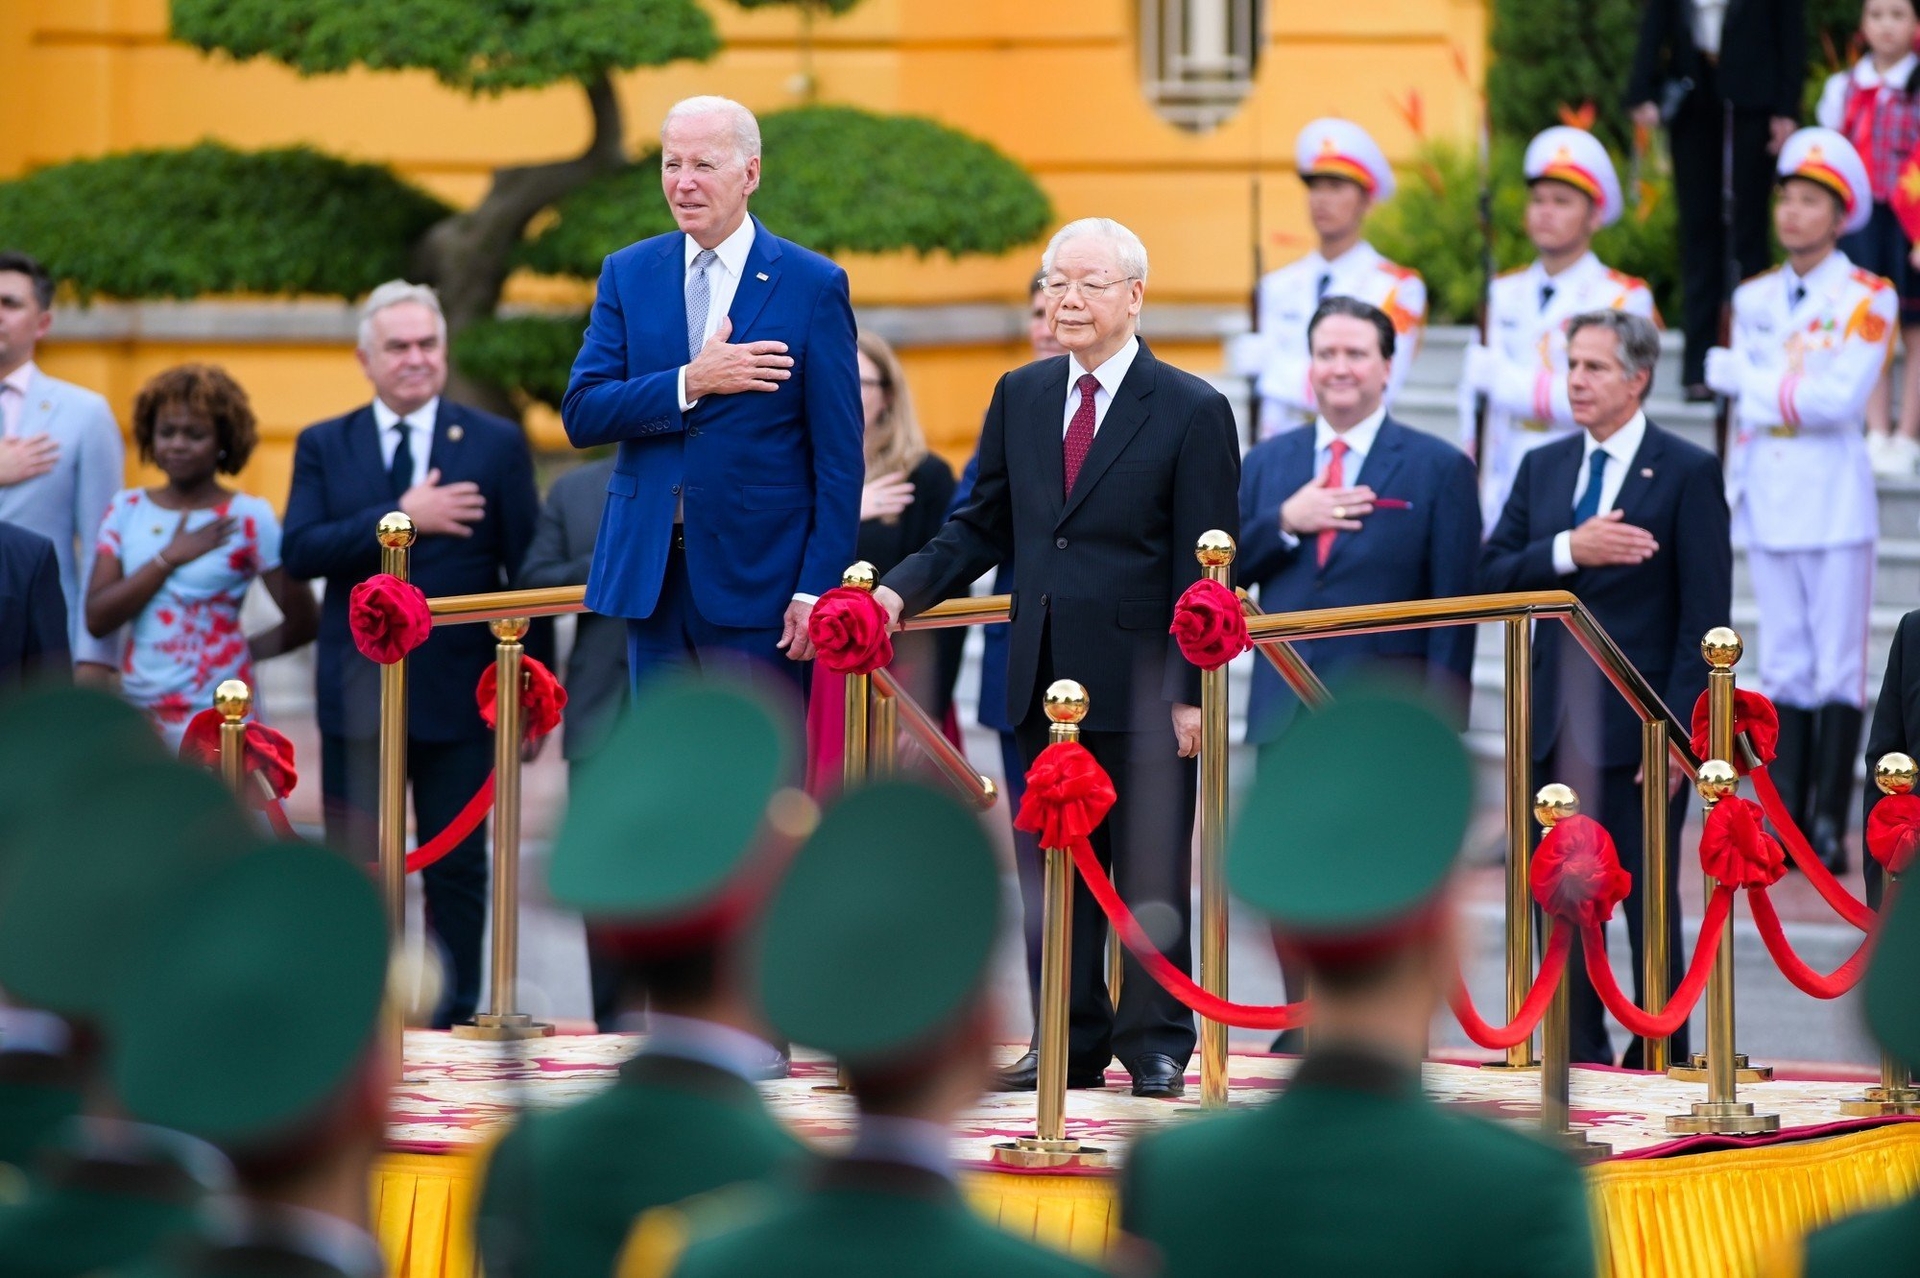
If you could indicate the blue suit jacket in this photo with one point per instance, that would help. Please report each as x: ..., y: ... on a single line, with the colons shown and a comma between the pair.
x: 33, y: 610
x: 339, y: 493
x: 1424, y: 550
x: 1656, y: 611
x: 770, y: 480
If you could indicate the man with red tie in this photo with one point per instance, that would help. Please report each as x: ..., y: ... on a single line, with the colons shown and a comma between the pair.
x: 1099, y: 470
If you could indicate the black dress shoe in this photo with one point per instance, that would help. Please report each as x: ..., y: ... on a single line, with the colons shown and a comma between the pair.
x: 1022, y: 1075
x: 1698, y: 393
x: 1157, y: 1076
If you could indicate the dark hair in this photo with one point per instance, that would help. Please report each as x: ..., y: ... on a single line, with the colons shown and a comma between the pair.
x: 1636, y: 341
x: 1354, y: 308
x: 674, y: 983
x: 29, y: 266
x: 208, y: 390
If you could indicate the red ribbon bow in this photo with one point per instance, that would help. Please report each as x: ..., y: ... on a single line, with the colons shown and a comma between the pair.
x: 849, y: 628
x: 267, y: 752
x: 1576, y: 874
x: 1753, y: 714
x: 1736, y: 849
x: 1068, y: 795
x: 389, y: 618
x: 1893, y: 831
x: 1209, y: 625
x: 541, y: 698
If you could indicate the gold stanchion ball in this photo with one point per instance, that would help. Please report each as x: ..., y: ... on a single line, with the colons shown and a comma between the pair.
x: 1554, y: 803
x: 395, y: 530
x: 1718, y: 780
x: 861, y: 576
x: 1066, y: 701
x: 1896, y: 773
x: 1722, y: 648
x: 510, y: 629
x: 233, y: 698
x: 1215, y: 549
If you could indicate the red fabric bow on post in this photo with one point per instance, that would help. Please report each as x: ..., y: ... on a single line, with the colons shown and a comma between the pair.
x: 1735, y: 848
x: 849, y: 628
x: 1576, y: 875
x: 1754, y: 715
x: 268, y: 752
x: 1893, y: 831
x: 1209, y: 625
x: 542, y: 699
x: 389, y: 618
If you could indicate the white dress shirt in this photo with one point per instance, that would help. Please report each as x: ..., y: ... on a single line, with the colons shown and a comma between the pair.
x: 1109, y: 375
x: 13, y: 398
x: 1620, y: 449
x: 721, y: 1046
x: 723, y: 281
x: 913, y: 1142
x: 1359, y: 439
x: 419, y: 433
x: 1709, y: 20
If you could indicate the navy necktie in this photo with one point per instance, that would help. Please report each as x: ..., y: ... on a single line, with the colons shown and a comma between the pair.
x: 1589, y: 504
x: 1321, y: 286
x: 1546, y: 297
x: 400, y: 470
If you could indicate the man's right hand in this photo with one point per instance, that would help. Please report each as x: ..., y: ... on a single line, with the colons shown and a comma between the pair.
x: 443, y: 510
x: 26, y: 457
x: 723, y: 369
x: 1609, y: 540
x: 1647, y: 116
x: 892, y: 602
x: 1315, y: 508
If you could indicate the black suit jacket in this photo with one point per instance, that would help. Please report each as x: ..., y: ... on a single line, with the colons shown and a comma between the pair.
x: 33, y: 609
x: 339, y: 493
x: 1763, y: 54
x: 1896, y: 715
x: 1101, y: 567
x: 1656, y: 611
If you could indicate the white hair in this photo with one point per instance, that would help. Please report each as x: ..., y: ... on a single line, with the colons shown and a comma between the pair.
x: 1132, y: 253
x: 398, y: 293
x: 746, y: 129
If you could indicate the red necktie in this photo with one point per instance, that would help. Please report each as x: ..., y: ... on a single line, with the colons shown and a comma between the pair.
x: 1080, y: 430
x: 1336, y: 478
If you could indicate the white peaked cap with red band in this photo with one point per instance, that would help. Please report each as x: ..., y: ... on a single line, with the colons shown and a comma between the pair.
x: 1827, y: 158
x: 1340, y: 148
x: 1575, y: 157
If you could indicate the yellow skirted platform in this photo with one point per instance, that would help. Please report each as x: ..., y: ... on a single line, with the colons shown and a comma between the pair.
x: 1712, y: 1213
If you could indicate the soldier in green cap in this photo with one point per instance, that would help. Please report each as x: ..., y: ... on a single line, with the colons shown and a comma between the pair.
x: 1350, y: 1170
x: 248, y: 1016
x: 878, y: 953
x: 670, y: 846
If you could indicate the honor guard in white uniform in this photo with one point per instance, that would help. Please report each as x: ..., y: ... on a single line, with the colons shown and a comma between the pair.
x: 1573, y: 192
x: 1810, y: 339
x: 1345, y: 174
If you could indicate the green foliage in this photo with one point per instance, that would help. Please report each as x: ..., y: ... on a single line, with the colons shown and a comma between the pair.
x: 213, y: 220
x: 1433, y: 224
x: 530, y: 354
x: 836, y: 179
x: 480, y: 46
x: 1554, y: 54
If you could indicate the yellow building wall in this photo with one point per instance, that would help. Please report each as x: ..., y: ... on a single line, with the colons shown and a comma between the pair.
x: 1054, y: 83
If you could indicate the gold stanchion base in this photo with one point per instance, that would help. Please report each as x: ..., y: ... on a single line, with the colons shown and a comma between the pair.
x: 1881, y: 1102
x: 1744, y: 1071
x: 1531, y: 1067
x: 1722, y: 1118
x: 838, y: 1086
x: 1029, y: 1152
x: 510, y: 1028
x: 1579, y: 1147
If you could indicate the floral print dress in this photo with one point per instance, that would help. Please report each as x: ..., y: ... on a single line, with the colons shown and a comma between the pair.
x: 188, y: 638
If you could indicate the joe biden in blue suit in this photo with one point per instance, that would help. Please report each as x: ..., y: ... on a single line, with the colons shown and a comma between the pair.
x: 720, y: 358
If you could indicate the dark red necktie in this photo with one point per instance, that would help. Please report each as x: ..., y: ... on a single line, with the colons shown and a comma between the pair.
x: 1336, y: 478
x: 1080, y: 430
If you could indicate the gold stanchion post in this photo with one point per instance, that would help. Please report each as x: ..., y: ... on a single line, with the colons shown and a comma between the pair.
x: 395, y: 532
x: 1519, y: 745
x: 1066, y: 706
x: 233, y: 699
x: 853, y: 763
x: 883, y: 735
x: 1654, y: 764
x: 1894, y: 773
x: 1215, y: 553
x: 1553, y: 804
x: 500, y: 1023
x: 1722, y: 1113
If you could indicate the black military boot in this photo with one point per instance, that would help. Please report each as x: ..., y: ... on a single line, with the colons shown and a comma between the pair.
x: 1792, y: 766
x: 1836, y: 750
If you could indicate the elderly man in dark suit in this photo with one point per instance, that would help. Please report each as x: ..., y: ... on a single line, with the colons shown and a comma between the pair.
x: 1098, y: 472
x: 466, y: 479
x: 33, y: 610
x: 1896, y: 726
x: 1634, y: 521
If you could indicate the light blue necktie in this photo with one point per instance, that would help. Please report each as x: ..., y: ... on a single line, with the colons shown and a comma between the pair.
x: 1589, y: 504
x: 698, y: 293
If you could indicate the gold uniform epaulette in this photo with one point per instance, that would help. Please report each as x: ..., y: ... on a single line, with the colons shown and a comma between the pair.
x: 1398, y: 271
x: 1625, y: 280
x: 661, y: 1235
x: 1861, y: 275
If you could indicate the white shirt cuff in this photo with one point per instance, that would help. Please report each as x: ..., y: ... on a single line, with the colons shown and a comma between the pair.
x: 1288, y: 540
x: 801, y: 597
x: 1563, y: 554
x: 686, y: 405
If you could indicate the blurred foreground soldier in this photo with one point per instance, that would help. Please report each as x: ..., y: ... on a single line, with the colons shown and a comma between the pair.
x: 1350, y: 1170
x: 914, y: 1033
x: 694, y: 778
x: 1810, y: 340
x: 248, y: 1017
x: 82, y: 880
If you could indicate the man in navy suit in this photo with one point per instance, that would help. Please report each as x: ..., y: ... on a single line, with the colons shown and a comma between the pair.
x: 33, y: 610
x: 1356, y: 509
x: 466, y: 479
x: 721, y: 359
x: 1634, y: 521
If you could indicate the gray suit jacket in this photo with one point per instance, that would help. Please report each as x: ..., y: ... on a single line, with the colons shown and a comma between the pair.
x: 65, y: 504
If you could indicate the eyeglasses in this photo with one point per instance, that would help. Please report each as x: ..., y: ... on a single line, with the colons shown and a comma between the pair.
x: 878, y: 383
x: 1091, y: 290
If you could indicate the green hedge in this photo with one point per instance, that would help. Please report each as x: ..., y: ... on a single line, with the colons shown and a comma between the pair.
x: 209, y: 219
x: 836, y: 179
x: 528, y: 354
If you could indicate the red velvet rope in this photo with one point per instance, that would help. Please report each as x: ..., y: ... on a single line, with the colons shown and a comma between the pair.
x: 1893, y: 831
x: 269, y: 754
x: 1209, y: 625
x: 466, y: 822
x: 1831, y: 890
x: 542, y: 700
x: 1791, y: 965
x: 388, y: 618
x: 849, y: 631
x: 1753, y: 714
x: 1669, y: 1019
x: 1553, y: 966
x: 277, y: 818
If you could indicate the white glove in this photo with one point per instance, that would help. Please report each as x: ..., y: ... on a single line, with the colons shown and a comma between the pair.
x: 1477, y: 372
x: 1723, y: 372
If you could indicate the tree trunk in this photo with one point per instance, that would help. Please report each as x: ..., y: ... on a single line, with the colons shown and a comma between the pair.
x: 468, y: 256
